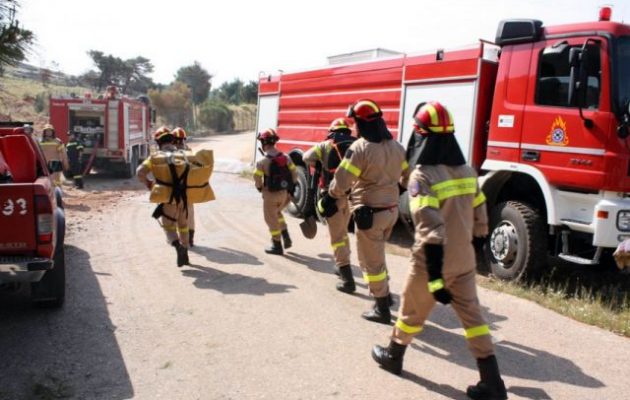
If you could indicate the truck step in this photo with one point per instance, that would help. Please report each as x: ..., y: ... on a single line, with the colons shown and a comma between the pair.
x: 580, y: 260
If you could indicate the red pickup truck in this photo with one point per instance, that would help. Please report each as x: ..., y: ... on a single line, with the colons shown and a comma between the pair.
x: 32, y: 220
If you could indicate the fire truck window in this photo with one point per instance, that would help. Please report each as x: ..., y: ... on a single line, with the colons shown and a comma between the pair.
x: 552, y: 87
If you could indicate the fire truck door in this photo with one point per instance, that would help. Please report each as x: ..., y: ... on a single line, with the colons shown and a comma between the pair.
x: 554, y: 137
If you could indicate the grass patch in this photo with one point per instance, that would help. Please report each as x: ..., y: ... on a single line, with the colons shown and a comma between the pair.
x: 247, y: 174
x: 605, y: 306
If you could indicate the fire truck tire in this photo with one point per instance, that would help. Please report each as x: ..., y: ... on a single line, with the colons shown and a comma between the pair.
x: 130, y: 167
x: 517, y: 242
x: 305, y: 198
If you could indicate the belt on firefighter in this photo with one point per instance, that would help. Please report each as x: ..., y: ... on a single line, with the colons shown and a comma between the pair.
x: 379, y: 209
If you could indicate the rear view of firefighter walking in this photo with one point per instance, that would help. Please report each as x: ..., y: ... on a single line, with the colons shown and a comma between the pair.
x: 275, y: 177
x: 327, y: 156
x: 371, y: 170
x: 180, y: 143
x: 55, y: 153
x: 173, y: 215
x: 449, y: 215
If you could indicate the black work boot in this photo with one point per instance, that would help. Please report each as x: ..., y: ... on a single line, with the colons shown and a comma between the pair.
x: 78, y: 182
x: 491, y: 386
x: 191, y: 238
x: 275, y: 248
x: 182, y: 253
x: 286, y: 239
x: 390, y: 358
x: 380, y: 312
x: 347, y: 280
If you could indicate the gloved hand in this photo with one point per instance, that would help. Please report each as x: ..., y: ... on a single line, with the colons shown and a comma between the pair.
x: 327, y: 206
x: 259, y: 189
x: 479, y: 243
x: 435, y: 258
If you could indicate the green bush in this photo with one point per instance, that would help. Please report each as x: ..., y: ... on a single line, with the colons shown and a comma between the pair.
x: 41, y: 101
x: 216, y: 115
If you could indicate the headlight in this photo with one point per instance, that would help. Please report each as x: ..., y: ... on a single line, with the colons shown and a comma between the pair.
x: 623, y: 220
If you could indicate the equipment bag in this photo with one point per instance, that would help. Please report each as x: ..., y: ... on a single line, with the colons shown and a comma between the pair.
x: 364, y: 217
x: 182, y: 176
x: 279, y: 174
x: 339, y: 144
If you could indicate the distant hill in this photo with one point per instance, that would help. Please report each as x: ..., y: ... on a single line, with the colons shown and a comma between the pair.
x: 28, y: 71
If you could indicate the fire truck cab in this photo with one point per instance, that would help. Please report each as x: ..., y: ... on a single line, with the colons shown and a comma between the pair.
x: 542, y: 113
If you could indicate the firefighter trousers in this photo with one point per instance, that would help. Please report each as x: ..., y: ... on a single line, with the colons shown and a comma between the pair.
x: 371, y: 251
x: 191, y: 216
x: 175, y: 223
x: 338, y: 230
x: 273, y: 204
x: 56, y: 177
x: 417, y: 303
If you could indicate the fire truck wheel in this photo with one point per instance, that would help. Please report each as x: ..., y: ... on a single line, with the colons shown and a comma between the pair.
x: 304, y: 199
x: 129, y: 169
x: 517, y: 243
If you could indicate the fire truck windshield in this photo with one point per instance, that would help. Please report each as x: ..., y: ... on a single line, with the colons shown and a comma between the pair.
x: 623, y: 72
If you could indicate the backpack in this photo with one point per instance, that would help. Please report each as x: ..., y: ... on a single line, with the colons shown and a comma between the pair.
x: 279, y: 174
x: 339, y: 143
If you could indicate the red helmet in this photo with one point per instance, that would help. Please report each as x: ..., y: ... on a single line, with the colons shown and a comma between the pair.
x: 179, y: 133
x: 268, y: 136
x: 365, y: 109
x: 339, y: 125
x: 433, y: 117
x: 162, y: 133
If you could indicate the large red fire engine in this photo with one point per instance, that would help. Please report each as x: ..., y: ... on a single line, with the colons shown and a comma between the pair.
x: 115, y: 131
x: 542, y: 113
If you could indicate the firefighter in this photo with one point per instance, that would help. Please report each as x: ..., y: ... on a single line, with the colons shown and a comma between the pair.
x: 74, y: 149
x: 371, y: 170
x: 173, y: 216
x: 449, y: 214
x: 275, y: 177
x: 55, y: 153
x: 180, y: 143
x: 329, y: 154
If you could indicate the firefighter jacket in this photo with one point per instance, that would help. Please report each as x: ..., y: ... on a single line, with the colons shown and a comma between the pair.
x: 145, y: 168
x: 262, y: 170
x: 372, y: 171
x: 54, y: 150
x: 448, y: 208
x: 74, y: 149
x: 318, y: 153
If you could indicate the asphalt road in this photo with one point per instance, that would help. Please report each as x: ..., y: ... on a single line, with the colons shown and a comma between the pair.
x: 241, y: 324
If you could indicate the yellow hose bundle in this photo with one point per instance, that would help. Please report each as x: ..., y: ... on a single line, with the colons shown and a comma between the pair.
x: 200, y: 166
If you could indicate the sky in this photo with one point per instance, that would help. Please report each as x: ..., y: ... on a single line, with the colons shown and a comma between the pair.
x: 241, y: 38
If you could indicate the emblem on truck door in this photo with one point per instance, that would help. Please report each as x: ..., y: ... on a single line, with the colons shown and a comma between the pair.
x: 558, y: 135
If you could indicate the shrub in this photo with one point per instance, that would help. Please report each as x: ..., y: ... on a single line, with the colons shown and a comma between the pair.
x: 216, y: 115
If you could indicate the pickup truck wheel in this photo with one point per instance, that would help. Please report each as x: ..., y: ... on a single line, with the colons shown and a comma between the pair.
x: 305, y: 198
x: 517, y: 243
x: 50, y: 291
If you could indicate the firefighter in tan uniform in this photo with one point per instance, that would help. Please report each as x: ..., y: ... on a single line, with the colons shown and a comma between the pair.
x: 449, y: 211
x: 180, y: 143
x: 174, y: 218
x: 55, y: 153
x: 371, y: 170
x: 275, y: 177
x: 329, y: 154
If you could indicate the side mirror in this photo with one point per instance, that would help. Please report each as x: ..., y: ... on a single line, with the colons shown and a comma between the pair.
x: 576, y: 86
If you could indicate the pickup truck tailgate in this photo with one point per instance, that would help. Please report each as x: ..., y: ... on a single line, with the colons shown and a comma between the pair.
x: 18, y: 222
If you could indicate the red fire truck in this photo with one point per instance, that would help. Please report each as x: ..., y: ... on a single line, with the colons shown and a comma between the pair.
x: 542, y: 113
x: 115, y: 131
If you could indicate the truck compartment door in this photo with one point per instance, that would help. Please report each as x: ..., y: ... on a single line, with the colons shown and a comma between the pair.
x: 457, y: 97
x: 267, y: 116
